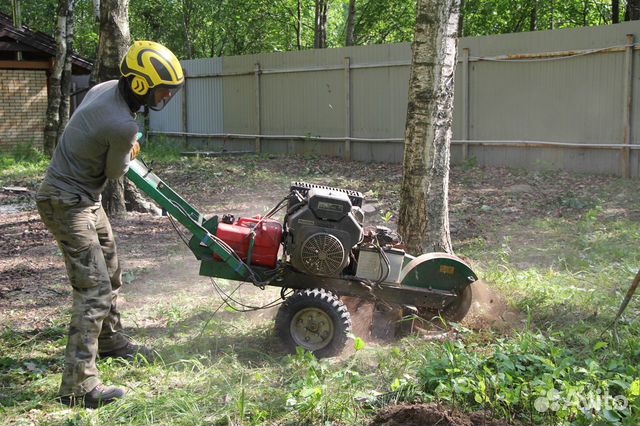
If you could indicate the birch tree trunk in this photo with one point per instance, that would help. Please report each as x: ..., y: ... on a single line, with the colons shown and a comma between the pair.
x: 632, y: 11
x: 52, y: 125
x: 533, y: 17
x: 16, y: 10
x: 351, y: 24
x: 65, y: 83
x: 322, y: 9
x: 114, y: 42
x: 461, y: 20
x: 299, y: 26
x: 96, y: 9
x: 187, y: 12
x: 424, y: 205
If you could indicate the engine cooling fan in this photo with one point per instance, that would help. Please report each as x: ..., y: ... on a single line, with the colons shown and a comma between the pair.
x: 323, y: 254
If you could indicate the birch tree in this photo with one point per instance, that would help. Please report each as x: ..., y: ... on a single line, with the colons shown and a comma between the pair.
x: 114, y: 40
x: 113, y: 44
x: 632, y: 10
x: 424, y: 206
x: 320, y: 27
x: 351, y: 24
x: 65, y: 81
x: 298, y: 25
x: 60, y: 78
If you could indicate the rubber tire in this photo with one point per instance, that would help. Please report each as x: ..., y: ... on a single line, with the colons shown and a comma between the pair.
x: 454, y: 311
x: 325, y: 301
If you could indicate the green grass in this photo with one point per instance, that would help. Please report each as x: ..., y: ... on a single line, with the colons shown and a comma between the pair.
x: 25, y: 165
x: 162, y: 149
x: 570, y: 279
x: 566, y: 275
x: 578, y: 268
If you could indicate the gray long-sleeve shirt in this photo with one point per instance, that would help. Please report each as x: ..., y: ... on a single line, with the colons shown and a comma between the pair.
x: 95, y: 145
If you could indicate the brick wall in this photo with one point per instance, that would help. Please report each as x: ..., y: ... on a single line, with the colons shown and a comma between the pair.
x: 23, y: 107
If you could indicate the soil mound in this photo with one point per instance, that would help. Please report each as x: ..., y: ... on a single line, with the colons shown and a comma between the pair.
x: 428, y: 414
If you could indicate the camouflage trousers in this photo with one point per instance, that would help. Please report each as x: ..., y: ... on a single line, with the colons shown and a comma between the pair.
x: 83, y: 232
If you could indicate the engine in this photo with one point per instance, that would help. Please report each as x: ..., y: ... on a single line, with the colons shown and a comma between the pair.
x: 323, y: 225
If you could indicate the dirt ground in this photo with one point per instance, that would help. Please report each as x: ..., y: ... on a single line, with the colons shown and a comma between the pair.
x: 34, y: 289
x: 428, y: 414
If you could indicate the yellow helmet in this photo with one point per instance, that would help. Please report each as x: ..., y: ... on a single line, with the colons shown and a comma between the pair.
x: 153, y: 71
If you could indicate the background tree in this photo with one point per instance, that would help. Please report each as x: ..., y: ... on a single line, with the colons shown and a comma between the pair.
x: 298, y: 25
x: 381, y: 22
x: 632, y: 10
x: 320, y: 27
x: 461, y: 32
x: 424, y: 207
x: 60, y: 78
x: 65, y: 83
x: 114, y: 42
x: 351, y: 23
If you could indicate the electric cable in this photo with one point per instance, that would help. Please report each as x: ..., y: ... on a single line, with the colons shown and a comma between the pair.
x: 273, y: 211
x: 384, y: 274
x: 387, y: 263
x: 246, y: 308
x: 175, y: 227
x: 213, y: 314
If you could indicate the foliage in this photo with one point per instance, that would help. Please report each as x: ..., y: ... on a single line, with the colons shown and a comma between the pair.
x: 533, y: 377
x: 382, y: 22
x: 40, y: 15
x: 484, y: 17
x: 202, y: 29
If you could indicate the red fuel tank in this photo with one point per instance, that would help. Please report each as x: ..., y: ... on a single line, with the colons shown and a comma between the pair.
x: 266, y: 242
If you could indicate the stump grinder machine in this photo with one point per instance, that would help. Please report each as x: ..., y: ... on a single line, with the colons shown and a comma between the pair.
x: 320, y: 252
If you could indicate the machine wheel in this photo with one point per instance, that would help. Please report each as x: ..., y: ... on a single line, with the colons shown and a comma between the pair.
x: 454, y: 311
x: 316, y: 320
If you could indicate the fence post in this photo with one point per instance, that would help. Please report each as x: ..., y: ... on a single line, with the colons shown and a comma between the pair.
x: 185, y: 113
x: 347, y: 108
x: 628, y: 103
x: 258, y: 73
x: 465, y: 103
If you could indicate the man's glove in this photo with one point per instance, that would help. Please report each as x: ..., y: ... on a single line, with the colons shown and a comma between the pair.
x: 135, y: 150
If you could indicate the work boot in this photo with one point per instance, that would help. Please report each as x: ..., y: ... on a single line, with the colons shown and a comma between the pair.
x: 98, y: 397
x: 129, y: 352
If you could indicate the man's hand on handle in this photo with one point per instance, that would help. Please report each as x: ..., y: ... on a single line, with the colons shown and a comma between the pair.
x: 135, y: 150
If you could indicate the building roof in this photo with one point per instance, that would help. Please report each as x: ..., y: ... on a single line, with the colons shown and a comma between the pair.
x: 35, y: 45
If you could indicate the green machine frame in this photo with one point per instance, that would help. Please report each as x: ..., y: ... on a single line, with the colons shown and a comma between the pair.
x: 431, y: 280
x: 203, y: 241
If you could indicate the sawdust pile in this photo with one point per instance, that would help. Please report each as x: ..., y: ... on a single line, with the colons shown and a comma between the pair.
x: 490, y: 310
x: 379, y: 324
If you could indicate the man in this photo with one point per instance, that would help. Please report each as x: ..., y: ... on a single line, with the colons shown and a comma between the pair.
x: 98, y: 144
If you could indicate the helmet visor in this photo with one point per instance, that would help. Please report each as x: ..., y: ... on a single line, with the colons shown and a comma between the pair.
x: 160, y: 96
